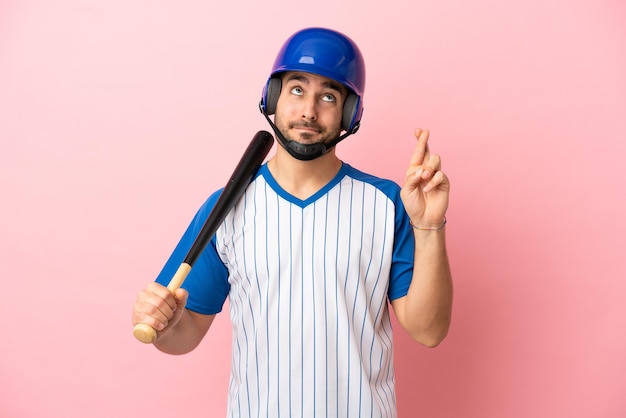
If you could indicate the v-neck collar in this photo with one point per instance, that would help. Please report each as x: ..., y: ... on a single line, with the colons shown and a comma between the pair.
x: 271, y: 181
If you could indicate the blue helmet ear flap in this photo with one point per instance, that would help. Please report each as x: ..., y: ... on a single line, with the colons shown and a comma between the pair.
x: 271, y: 94
x: 350, y: 119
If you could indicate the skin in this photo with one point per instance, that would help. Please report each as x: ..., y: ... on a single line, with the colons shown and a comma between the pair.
x: 309, y: 110
x: 425, y: 312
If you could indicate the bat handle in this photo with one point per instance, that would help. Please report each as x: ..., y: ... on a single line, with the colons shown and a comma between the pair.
x: 145, y: 333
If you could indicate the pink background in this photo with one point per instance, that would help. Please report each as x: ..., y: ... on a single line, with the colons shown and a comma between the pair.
x: 118, y: 118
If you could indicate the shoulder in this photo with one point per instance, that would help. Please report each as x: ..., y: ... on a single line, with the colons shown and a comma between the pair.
x: 206, y: 208
x: 389, y: 187
x: 208, y: 204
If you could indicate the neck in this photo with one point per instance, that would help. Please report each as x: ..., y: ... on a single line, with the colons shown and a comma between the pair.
x: 302, y: 179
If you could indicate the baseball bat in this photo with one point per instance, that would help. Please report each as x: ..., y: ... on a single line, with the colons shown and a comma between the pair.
x: 243, y: 174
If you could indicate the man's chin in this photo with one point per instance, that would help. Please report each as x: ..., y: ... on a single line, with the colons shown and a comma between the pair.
x: 305, y: 138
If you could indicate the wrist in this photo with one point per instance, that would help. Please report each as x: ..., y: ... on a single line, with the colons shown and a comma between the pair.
x: 428, y: 227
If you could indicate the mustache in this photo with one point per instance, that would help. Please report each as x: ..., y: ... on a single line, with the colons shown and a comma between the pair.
x: 307, y: 125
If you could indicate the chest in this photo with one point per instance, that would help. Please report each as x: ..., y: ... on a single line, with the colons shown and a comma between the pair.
x: 341, y: 242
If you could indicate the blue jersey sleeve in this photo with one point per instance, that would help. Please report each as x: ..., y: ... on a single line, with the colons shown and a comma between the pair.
x: 403, y: 254
x: 207, y: 282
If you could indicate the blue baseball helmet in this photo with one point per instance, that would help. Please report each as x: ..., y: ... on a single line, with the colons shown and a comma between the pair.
x: 327, y: 53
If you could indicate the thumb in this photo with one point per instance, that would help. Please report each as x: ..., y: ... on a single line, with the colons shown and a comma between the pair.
x: 181, y: 296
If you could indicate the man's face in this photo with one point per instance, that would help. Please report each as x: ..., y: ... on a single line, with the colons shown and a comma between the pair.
x: 309, y: 107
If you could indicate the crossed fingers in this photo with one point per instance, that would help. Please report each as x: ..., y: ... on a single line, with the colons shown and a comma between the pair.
x: 424, y: 167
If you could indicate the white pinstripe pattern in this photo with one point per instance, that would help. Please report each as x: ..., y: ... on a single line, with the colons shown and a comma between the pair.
x: 308, y: 302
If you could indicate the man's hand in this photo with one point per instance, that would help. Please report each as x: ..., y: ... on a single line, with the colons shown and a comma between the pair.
x: 158, y: 307
x: 426, y: 189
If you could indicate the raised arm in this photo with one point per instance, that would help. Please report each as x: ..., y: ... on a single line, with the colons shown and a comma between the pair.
x: 425, y: 312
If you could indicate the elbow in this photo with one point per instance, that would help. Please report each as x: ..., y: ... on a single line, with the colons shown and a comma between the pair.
x: 431, y: 340
x: 428, y: 327
x: 432, y: 336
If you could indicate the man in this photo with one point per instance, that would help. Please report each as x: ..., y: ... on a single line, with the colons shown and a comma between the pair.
x: 312, y: 253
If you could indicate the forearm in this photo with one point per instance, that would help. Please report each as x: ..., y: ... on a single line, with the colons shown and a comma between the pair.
x: 425, y: 312
x: 185, y: 335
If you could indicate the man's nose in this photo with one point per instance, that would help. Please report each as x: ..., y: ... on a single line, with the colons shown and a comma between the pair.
x: 309, y: 110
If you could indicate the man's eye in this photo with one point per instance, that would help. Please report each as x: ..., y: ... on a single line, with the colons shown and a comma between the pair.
x: 328, y: 98
x: 297, y: 91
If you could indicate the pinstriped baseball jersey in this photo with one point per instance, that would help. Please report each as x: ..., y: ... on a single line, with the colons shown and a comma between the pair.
x: 308, y: 283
